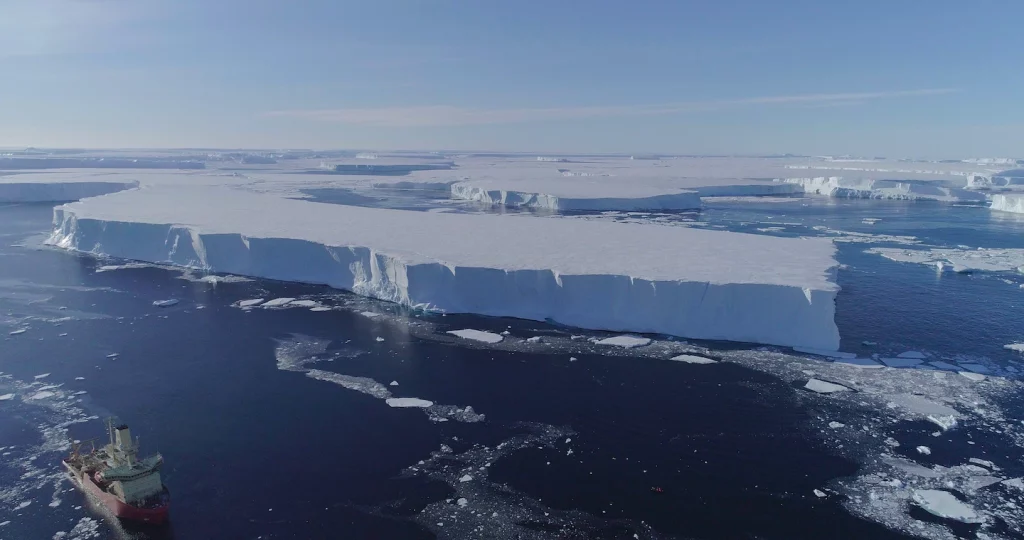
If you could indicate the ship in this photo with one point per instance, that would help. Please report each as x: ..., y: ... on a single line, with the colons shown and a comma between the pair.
x: 114, y: 475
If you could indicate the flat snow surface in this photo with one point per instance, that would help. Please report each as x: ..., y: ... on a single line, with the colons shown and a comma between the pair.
x: 409, y: 402
x: 477, y: 335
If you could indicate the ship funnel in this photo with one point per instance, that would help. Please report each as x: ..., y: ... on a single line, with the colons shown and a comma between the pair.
x: 122, y: 437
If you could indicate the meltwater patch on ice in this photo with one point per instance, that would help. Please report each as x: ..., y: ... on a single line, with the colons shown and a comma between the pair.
x: 477, y: 335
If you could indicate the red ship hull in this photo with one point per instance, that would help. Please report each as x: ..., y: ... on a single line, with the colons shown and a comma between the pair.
x: 156, y: 515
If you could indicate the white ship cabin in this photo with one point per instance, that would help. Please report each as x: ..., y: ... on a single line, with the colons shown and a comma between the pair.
x: 131, y: 478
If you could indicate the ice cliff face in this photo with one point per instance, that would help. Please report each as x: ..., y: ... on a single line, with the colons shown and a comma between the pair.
x: 684, y: 200
x: 31, y: 192
x: 431, y: 261
x: 853, y: 188
x: 1008, y: 203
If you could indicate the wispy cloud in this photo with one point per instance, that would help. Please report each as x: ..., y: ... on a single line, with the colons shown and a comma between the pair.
x: 447, y: 115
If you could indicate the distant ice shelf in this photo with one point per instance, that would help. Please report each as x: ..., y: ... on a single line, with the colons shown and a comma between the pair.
x: 642, y: 278
x: 577, y: 197
x: 16, y: 188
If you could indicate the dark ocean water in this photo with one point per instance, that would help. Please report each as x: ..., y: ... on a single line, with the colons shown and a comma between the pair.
x: 255, y: 451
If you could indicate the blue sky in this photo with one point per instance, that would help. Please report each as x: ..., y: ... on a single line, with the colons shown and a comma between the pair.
x: 895, y: 78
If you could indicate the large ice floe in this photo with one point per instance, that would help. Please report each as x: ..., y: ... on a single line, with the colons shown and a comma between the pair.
x: 958, y: 260
x: 860, y: 188
x: 617, y: 276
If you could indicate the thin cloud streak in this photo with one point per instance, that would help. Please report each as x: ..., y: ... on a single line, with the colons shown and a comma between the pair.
x: 448, y: 115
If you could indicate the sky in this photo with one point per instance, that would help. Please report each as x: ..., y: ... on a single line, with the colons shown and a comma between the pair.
x: 897, y: 78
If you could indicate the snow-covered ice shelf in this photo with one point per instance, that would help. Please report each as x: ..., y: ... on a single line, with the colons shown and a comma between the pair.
x: 615, y: 276
x: 860, y: 188
x: 576, y: 194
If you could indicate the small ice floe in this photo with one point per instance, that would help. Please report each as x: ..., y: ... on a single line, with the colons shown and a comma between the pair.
x: 393, y: 383
x: 62, y: 335
x: 369, y: 314
x: 924, y: 450
x: 1019, y: 347
x: 534, y: 339
x: 572, y: 358
x: 42, y: 395
x: 825, y: 352
x: 462, y: 501
x: 113, y: 355
x: 23, y: 505
x: 984, y: 463
x: 321, y: 308
x: 466, y: 478
x: 4, y: 523
x: 277, y: 302
x: 303, y: 303
x: 693, y: 359
x: 939, y: 364
x: 972, y: 376
x: 250, y: 303
x: 836, y: 425
x: 911, y: 354
x: 819, y: 493
x: 945, y: 505
x: 824, y: 387
x: 477, y: 335
x: 408, y: 402
x: 976, y: 368
x: 870, y: 220
x: 901, y: 362
x: 862, y: 363
x: 6, y: 397
x: 18, y: 331
x: 41, y: 376
x: 379, y: 339
x: 165, y: 303
x: 79, y: 378
x: 624, y: 341
x: 869, y: 343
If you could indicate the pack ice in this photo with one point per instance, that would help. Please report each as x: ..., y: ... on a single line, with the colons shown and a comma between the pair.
x: 611, y: 276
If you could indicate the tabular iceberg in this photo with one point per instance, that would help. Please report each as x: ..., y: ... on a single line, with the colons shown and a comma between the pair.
x: 31, y: 192
x: 614, y: 276
x: 863, y: 188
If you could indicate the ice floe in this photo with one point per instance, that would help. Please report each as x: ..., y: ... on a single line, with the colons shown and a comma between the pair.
x: 625, y: 341
x: 277, y: 302
x: 824, y: 387
x: 477, y: 335
x: 694, y: 359
x: 165, y: 303
x: 958, y: 260
x: 408, y: 402
x: 944, y: 504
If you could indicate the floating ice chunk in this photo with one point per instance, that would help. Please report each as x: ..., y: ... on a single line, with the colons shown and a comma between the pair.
x: 408, y: 402
x: 572, y: 358
x: 943, y: 365
x: 23, y: 505
x: 477, y: 335
x: 825, y: 352
x: 862, y: 363
x: 1019, y: 347
x: 250, y: 303
x: 922, y: 406
x: 1015, y: 483
x: 4, y: 523
x: 18, y: 331
x: 924, y: 450
x: 379, y: 339
x: 393, y: 383
x: 462, y: 501
x: 945, y: 505
x: 984, y: 463
x: 79, y: 378
x: 823, y: 387
x: 693, y: 359
x: 303, y: 303
x: 369, y: 314
x: 976, y: 368
x: 42, y: 395
x: 41, y: 376
x: 911, y: 354
x: 534, y: 339
x: 869, y: 343
x: 819, y: 493
x: 625, y: 341
x: 945, y: 422
x: 165, y: 303
x: 466, y: 478
x: 836, y: 425
x: 278, y: 302
x: 113, y: 355
x: 973, y: 376
x: 901, y: 362
x: 321, y: 308
x: 6, y: 397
